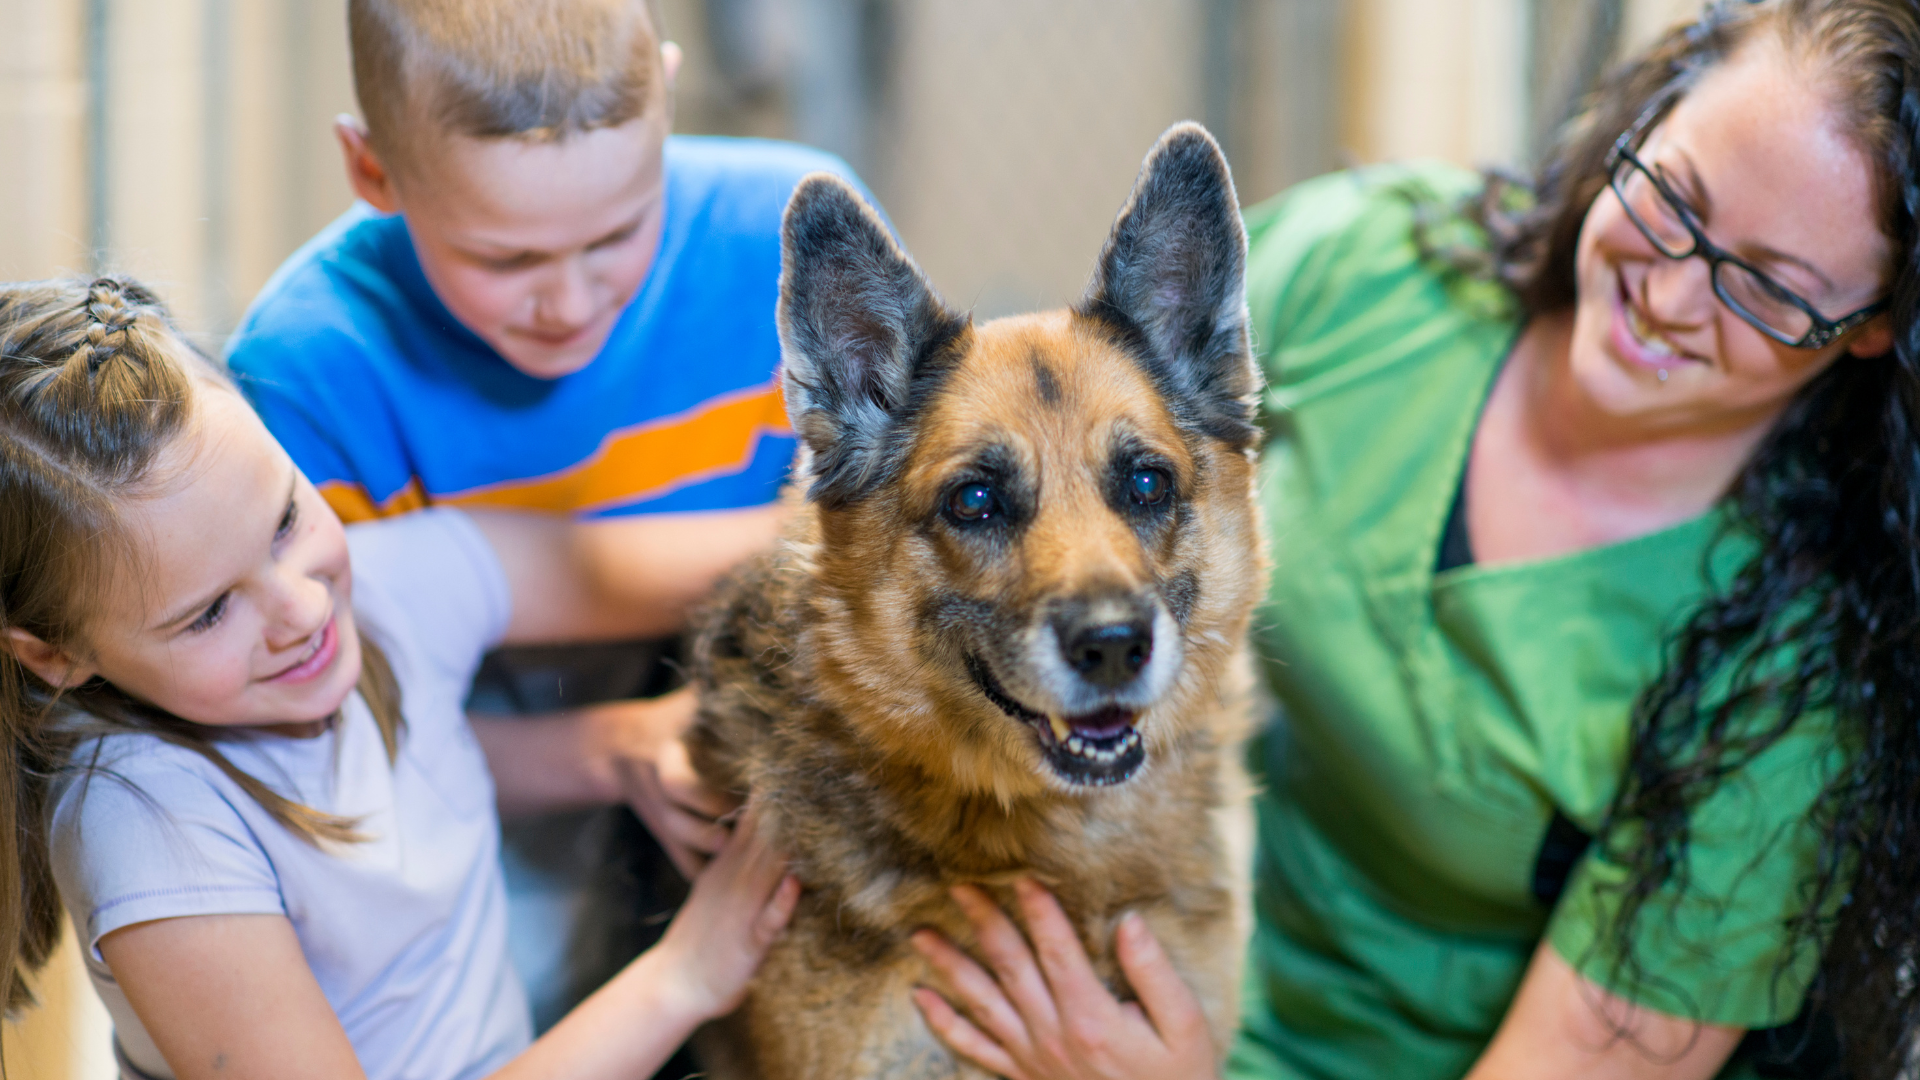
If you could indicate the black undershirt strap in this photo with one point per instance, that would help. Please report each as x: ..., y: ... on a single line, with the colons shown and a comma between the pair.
x: 1456, y: 547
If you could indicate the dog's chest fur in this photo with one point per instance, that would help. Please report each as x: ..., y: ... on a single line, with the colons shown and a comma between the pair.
x: 878, y: 846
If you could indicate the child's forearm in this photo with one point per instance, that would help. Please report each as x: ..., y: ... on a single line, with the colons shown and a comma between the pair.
x: 545, y: 763
x: 577, y: 758
x: 665, y: 564
x: 621, y: 578
x: 627, y: 1029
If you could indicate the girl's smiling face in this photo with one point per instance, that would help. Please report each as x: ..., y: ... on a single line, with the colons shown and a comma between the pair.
x: 233, y: 609
x: 1759, y: 155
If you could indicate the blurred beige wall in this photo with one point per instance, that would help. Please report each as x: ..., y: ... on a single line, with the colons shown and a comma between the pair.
x: 43, y: 98
x: 1647, y: 19
x: 1017, y: 129
x: 1437, y: 80
x: 68, y: 1036
x: 218, y: 159
x: 1012, y: 131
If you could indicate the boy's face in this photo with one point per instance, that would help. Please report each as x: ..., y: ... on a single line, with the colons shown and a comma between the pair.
x: 538, y: 246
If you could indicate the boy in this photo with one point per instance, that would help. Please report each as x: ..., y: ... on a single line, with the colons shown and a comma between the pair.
x: 545, y: 304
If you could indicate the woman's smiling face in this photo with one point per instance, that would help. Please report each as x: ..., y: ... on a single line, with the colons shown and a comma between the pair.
x: 1762, y: 161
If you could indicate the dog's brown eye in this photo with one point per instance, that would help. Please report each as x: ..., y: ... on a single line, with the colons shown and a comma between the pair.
x: 1148, y: 486
x: 972, y: 502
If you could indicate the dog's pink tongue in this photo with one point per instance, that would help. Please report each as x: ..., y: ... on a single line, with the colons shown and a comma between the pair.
x: 1105, y: 724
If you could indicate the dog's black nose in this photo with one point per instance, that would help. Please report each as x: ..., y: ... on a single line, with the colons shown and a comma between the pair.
x: 1109, y: 654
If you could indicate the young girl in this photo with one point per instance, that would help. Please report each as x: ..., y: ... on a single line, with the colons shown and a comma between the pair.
x: 236, y: 740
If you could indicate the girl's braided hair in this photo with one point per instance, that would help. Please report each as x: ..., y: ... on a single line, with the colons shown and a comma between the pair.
x: 1825, y: 618
x: 94, y: 384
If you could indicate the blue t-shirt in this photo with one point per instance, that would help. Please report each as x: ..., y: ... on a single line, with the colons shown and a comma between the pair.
x: 388, y: 403
x: 406, y: 932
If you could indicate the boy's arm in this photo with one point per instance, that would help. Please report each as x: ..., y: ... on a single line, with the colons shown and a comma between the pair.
x: 606, y: 579
x: 575, y: 580
x: 616, y: 752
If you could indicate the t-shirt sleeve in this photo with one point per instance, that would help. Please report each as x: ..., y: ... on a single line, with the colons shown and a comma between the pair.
x: 431, y: 589
x: 318, y: 399
x: 1716, y: 947
x: 1326, y: 257
x: 153, y: 836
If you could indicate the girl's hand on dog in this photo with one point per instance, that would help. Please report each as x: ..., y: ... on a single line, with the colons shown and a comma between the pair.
x: 739, y: 905
x: 1048, y: 1016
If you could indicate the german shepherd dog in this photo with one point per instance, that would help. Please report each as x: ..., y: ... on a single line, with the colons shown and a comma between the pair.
x: 1003, y: 633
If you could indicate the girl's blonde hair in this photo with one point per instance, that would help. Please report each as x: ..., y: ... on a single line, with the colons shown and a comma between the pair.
x: 94, y: 384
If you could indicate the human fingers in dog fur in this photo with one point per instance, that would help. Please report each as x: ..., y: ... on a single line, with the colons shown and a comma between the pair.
x: 678, y: 808
x: 1114, y: 1039
x: 738, y: 907
x: 1168, y: 1002
x: 648, y: 768
x: 1012, y: 960
x: 1081, y: 1032
x: 963, y: 1038
x: 1063, y: 960
x: 989, y: 1022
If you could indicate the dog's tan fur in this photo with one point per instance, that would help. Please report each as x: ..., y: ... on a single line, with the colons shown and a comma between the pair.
x: 831, y: 690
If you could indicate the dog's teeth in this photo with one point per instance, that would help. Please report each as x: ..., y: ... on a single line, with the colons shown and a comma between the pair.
x: 1060, y: 729
x: 1074, y: 744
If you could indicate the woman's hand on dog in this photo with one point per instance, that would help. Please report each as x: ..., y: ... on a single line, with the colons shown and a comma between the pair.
x: 1043, y: 1014
x: 739, y: 905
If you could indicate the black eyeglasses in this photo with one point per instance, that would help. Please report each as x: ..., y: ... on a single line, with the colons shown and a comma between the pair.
x: 1665, y: 221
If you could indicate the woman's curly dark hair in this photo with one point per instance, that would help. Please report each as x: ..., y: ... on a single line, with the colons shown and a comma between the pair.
x: 1825, y: 618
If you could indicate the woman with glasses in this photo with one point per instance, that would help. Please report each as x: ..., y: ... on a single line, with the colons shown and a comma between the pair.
x: 1595, y: 618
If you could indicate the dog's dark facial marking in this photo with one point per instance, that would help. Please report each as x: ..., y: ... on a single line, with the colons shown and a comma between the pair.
x: 991, y: 689
x: 987, y: 499
x: 865, y: 340
x: 1046, y: 383
x: 957, y: 620
x: 1142, y: 486
x: 1169, y: 287
x: 1181, y: 592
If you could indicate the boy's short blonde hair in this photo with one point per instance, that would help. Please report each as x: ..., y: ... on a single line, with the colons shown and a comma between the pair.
x: 531, y: 69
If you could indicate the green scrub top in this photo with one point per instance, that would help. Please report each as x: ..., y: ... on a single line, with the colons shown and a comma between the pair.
x: 1432, y: 723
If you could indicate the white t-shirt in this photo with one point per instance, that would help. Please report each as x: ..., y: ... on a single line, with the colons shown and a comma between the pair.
x: 405, y: 932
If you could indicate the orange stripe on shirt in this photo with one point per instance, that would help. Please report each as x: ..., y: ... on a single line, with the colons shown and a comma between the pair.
x: 352, y: 503
x: 649, y: 460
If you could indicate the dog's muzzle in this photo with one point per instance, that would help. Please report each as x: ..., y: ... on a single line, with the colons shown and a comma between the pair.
x: 1098, y: 749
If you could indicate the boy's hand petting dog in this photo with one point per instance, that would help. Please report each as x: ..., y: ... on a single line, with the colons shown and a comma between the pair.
x: 1049, y: 1017
x: 615, y: 752
x: 739, y: 905
x: 641, y: 743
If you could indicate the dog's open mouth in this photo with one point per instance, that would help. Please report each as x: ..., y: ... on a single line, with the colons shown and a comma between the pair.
x: 1097, y: 749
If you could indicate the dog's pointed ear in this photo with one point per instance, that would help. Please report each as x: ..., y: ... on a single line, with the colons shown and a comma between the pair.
x: 1171, y: 282
x: 862, y: 333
